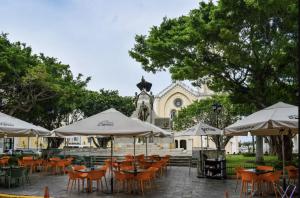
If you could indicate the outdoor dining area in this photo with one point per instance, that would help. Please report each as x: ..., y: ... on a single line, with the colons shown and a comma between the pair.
x: 265, y: 180
x: 143, y: 173
x: 131, y: 174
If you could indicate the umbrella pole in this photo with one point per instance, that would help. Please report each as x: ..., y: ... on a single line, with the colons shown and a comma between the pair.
x: 37, y: 143
x: 134, y: 151
x: 65, y: 140
x: 28, y: 141
x: 283, y: 162
x: 146, y: 146
x: 111, y: 166
x: 202, y: 161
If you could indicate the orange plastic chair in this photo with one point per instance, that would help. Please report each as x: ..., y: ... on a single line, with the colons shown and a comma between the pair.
x: 238, y: 175
x: 28, y: 158
x: 78, y: 167
x: 60, y: 166
x: 248, y: 178
x: 272, y: 179
x: 80, y: 176
x: 140, y: 157
x: 265, y: 168
x: 122, y: 168
x: 142, y: 179
x: 72, y: 179
x: 293, y: 173
x: 129, y: 157
x: 153, y: 171
x: 96, y: 175
x: 159, y: 165
x: 123, y: 179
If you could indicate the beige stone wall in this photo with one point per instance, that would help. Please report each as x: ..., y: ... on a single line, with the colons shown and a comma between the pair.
x: 164, y: 105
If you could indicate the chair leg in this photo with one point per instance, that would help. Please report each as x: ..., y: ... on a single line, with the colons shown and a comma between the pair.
x: 68, y: 185
x: 242, y: 189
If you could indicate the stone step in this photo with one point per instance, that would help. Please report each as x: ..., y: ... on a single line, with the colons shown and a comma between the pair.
x: 174, y: 160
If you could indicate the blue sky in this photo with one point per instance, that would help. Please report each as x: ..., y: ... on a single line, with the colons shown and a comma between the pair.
x: 93, y: 37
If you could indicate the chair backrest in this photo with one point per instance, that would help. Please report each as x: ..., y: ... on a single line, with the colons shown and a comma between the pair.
x: 126, y: 163
x: 291, y: 167
x: 140, y: 157
x: 265, y: 168
x: 54, y: 159
x: 96, y: 174
x: 248, y: 176
x: 78, y: 167
x: 128, y: 157
x: 119, y: 175
x: 72, y: 174
x: 153, y: 170
x: 28, y: 158
x: 122, y: 167
x: 238, y: 171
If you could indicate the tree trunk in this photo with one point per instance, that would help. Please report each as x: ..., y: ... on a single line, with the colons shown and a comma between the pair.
x: 288, y: 147
x: 259, y: 149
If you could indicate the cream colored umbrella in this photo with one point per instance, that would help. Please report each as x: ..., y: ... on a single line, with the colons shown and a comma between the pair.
x: 107, y: 123
x: 278, y: 119
x: 14, y: 127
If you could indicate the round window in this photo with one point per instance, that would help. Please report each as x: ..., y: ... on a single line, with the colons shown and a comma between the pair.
x: 178, y: 102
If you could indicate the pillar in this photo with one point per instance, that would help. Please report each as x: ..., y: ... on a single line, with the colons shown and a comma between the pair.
x: 259, y: 149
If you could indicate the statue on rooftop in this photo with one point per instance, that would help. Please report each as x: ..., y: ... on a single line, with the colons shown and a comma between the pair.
x: 143, y: 112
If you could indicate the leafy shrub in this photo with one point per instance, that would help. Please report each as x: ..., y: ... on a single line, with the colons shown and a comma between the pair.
x: 249, y: 154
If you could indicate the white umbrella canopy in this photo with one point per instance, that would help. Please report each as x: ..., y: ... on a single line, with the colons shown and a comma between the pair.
x: 107, y: 123
x: 14, y: 127
x: 157, y: 131
x: 200, y: 129
x: 278, y: 119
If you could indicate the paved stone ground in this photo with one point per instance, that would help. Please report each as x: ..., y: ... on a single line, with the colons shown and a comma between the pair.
x: 177, y: 183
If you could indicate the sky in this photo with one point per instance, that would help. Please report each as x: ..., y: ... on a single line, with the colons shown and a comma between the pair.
x: 93, y: 36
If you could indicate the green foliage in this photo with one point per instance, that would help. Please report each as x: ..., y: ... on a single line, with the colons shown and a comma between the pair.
x: 43, y: 91
x: 245, y: 48
x: 95, y: 102
x: 249, y: 154
x: 202, y: 111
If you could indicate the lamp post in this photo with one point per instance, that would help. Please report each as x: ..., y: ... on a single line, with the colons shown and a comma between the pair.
x: 217, y: 108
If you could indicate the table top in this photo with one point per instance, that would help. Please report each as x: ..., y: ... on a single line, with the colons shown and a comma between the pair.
x: 150, y: 161
x: 258, y: 172
x: 87, y: 170
x: 139, y: 170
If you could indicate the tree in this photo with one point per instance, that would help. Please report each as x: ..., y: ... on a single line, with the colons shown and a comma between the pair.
x: 245, y: 48
x: 94, y: 102
x: 36, y: 88
x: 202, y: 111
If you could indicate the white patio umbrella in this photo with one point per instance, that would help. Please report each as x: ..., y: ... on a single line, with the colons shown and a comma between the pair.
x: 14, y: 127
x: 107, y: 123
x: 278, y: 119
x: 201, y: 129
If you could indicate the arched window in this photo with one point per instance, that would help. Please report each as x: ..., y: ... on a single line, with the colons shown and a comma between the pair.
x: 176, y: 143
x: 183, y: 144
x: 173, y: 114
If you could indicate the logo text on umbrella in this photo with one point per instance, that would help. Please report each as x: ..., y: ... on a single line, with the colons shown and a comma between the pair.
x: 5, y: 124
x: 105, y: 123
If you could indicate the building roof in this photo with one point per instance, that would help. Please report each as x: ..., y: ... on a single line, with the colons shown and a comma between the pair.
x: 180, y: 84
